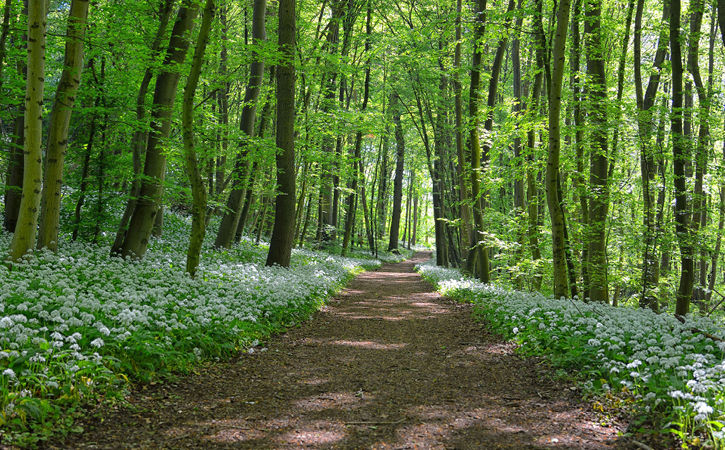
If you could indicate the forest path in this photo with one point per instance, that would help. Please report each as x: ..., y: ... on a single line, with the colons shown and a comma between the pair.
x: 388, y: 364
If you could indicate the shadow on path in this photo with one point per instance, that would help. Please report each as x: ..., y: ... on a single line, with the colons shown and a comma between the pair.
x: 388, y: 364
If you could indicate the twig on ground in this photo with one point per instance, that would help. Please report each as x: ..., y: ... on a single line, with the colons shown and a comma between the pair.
x: 375, y: 423
x: 697, y: 330
x: 641, y: 445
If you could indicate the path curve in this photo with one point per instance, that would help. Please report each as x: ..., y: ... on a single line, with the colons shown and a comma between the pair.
x: 388, y: 364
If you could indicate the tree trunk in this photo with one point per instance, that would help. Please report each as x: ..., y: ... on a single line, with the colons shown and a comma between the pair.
x: 25, y: 231
x: 648, y: 166
x: 599, y: 168
x: 85, y: 172
x: 699, y: 198
x: 4, y: 31
x: 140, y: 136
x: 55, y: 151
x: 558, y: 227
x: 14, y: 174
x: 579, y: 178
x: 142, y: 221
x: 357, y: 174
x: 679, y: 161
x: 198, y: 191
x: 280, y: 246
x: 481, y: 255
x: 398, y: 182
x: 230, y: 221
x: 467, y: 239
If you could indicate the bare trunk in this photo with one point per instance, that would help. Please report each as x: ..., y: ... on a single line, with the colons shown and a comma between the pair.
x: 147, y: 207
x: 282, y: 241
x: 140, y: 137
x: 25, y: 231
x: 599, y: 168
x: 240, y: 180
x: 198, y: 191
x: 558, y: 227
x: 60, y: 115
x: 398, y: 182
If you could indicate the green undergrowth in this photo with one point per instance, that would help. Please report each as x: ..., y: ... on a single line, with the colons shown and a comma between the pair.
x: 664, y: 375
x: 78, y: 328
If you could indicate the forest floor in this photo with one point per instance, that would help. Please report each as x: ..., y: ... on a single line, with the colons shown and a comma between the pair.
x: 388, y: 364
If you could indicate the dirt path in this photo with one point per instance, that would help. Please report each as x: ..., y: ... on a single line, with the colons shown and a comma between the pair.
x: 388, y: 365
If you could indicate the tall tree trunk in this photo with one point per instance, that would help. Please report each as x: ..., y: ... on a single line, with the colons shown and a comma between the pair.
x: 198, y: 191
x: 718, y: 239
x: 4, y: 31
x: 25, y: 231
x: 85, y: 173
x: 599, y: 168
x: 261, y: 133
x: 518, y: 182
x: 699, y: 198
x: 142, y: 221
x: 329, y: 88
x: 280, y: 246
x: 16, y: 162
x: 579, y: 178
x: 558, y: 227
x: 398, y: 182
x: 230, y: 221
x: 648, y: 166
x: 467, y: 239
x: 14, y: 174
x: 679, y: 160
x: 356, y: 173
x: 65, y: 95
x: 140, y: 136
x: 476, y: 192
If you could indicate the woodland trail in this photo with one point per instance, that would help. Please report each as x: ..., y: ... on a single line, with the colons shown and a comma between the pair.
x: 388, y: 364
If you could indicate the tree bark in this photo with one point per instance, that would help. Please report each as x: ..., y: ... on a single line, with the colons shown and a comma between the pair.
x: 140, y: 136
x: 25, y: 231
x: 399, y: 165
x: 599, y: 168
x: 280, y: 246
x: 558, y: 227
x: 198, y: 190
x: 230, y: 221
x: 679, y: 156
x: 476, y: 193
x: 55, y: 151
x: 147, y: 206
x: 648, y: 166
x: 356, y: 173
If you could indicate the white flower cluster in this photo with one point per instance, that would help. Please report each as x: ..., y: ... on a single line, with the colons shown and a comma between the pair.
x: 57, y: 311
x: 653, y: 355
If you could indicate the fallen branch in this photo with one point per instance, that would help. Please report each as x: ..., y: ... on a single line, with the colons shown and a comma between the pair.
x: 375, y: 423
x: 641, y: 445
x: 697, y: 330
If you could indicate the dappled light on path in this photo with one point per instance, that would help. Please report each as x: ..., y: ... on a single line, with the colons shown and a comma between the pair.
x: 388, y: 364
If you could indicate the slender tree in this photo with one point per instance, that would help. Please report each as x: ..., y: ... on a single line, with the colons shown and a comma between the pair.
x: 26, y: 229
x: 280, y: 246
x: 147, y: 205
x: 198, y: 190
x: 399, y: 166
x: 60, y: 115
x: 229, y: 223
x: 558, y: 226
